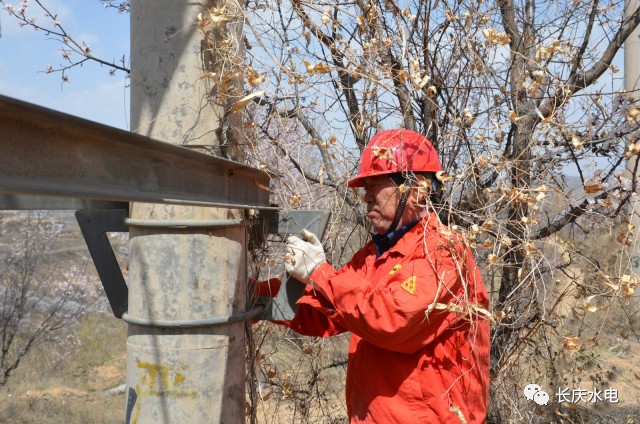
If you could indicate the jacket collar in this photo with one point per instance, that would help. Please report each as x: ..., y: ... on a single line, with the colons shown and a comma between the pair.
x: 385, y: 242
x: 405, y: 243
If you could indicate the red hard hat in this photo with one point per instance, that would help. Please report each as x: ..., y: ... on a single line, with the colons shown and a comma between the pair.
x: 396, y: 151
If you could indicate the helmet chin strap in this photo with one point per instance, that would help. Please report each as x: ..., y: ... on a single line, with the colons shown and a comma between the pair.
x: 399, y: 212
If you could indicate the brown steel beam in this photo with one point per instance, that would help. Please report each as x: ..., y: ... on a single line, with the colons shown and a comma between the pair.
x: 50, y: 203
x: 45, y: 152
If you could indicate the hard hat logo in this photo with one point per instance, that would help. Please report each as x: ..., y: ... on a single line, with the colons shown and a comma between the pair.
x: 396, y: 151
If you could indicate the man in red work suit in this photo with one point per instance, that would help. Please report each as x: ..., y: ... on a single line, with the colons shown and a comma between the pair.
x: 412, y: 298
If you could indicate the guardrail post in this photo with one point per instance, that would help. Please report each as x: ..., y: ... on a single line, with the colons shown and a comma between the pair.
x: 177, y: 374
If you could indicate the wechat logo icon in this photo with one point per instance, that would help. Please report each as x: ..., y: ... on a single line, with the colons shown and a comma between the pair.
x: 535, y: 393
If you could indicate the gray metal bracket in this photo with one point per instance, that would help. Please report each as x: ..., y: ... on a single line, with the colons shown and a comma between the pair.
x: 293, y: 221
x: 283, y: 306
x: 95, y: 224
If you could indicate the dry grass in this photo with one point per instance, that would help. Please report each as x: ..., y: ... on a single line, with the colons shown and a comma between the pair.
x: 48, y: 389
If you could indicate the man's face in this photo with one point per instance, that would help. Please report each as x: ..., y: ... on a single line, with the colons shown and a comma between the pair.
x: 382, y: 197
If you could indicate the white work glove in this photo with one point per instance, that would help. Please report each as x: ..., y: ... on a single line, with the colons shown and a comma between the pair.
x: 304, y: 256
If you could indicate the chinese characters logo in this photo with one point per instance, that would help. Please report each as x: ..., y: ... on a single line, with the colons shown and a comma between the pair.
x: 564, y: 395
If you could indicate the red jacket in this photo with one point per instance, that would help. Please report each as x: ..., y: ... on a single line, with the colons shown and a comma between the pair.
x: 419, y: 349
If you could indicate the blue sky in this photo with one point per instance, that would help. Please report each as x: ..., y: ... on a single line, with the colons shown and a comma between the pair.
x: 91, y: 92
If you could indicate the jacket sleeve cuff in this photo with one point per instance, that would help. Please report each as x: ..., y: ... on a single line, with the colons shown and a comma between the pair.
x: 326, y: 278
x: 321, y: 276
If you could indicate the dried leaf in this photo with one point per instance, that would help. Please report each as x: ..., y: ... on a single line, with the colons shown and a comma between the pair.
x: 571, y: 343
x: 218, y: 19
x: 493, y: 37
x: 467, y: 115
x: 244, y: 101
x: 254, y: 78
x: 294, y: 199
x: 211, y: 75
x: 202, y: 18
x: 607, y: 281
x: 530, y: 249
x: 320, y: 68
x: 326, y: 17
x: 442, y: 177
x: 623, y: 239
x: 290, y: 258
x: 628, y: 284
x: 499, y: 315
x: 591, y: 188
x: 403, y: 76
x: 479, y: 309
x: 262, y: 186
x: 576, y: 142
x: 482, y: 162
x: 420, y: 79
x: 513, y: 117
x: 589, y: 306
x: 506, y: 241
x: 487, y: 225
x: 306, y: 349
x: 382, y: 152
x: 633, y: 149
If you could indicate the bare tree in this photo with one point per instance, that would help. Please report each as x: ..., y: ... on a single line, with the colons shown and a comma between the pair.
x: 514, y: 95
x: 40, y: 294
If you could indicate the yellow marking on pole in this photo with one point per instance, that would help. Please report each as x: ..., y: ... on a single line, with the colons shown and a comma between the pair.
x: 163, y: 380
x: 409, y: 285
x: 136, y: 415
x: 179, y: 379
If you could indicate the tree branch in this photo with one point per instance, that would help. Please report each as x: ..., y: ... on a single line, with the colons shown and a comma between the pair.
x: 347, y: 81
x: 581, y: 80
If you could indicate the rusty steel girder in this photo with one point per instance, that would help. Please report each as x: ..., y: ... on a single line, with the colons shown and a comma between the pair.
x: 45, y: 152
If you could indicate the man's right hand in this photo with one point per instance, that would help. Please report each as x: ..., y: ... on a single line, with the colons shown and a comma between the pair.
x: 304, y: 256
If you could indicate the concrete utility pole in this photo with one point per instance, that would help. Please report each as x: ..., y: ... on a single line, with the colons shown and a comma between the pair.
x: 195, y: 272
x: 632, y: 85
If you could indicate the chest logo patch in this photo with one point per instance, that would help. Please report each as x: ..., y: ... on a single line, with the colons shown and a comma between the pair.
x: 409, y: 285
x: 395, y: 269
